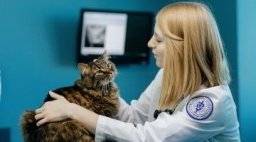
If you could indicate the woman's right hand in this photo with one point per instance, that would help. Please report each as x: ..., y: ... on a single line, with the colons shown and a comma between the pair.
x: 53, y: 111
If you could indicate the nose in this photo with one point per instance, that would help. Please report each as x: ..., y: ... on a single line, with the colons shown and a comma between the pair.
x: 151, y: 43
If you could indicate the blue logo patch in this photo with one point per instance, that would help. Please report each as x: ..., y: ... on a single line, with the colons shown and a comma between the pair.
x: 199, y: 107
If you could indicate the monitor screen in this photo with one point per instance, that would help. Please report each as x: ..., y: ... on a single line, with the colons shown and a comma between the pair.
x: 124, y: 35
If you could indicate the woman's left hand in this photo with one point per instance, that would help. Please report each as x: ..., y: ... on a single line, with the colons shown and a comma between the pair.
x: 52, y: 111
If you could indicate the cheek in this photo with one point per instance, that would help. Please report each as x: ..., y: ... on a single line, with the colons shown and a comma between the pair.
x: 161, y: 52
x: 160, y: 56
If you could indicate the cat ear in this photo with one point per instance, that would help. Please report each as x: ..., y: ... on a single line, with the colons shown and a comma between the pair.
x: 83, y: 68
x: 105, y: 55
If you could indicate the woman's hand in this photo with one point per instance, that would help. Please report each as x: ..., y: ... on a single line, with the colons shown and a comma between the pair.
x: 60, y: 109
x: 52, y: 111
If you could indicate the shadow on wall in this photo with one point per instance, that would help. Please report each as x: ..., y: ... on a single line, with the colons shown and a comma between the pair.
x: 4, y: 135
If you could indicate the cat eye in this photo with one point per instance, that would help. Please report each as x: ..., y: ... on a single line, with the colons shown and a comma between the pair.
x: 100, y: 72
x: 97, y: 66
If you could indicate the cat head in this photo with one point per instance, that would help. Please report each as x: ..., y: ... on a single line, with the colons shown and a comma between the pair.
x: 98, y: 72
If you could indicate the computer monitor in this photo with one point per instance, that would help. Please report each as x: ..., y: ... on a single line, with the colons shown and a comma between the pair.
x: 123, y: 34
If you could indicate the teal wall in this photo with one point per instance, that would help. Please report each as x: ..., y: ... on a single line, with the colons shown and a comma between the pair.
x: 246, y: 22
x: 38, y: 53
x: 38, y: 46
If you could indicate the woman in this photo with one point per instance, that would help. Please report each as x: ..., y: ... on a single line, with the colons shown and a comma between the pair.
x: 189, y: 99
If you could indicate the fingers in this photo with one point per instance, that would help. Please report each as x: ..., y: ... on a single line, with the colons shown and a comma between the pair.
x: 55, y: 95
x: 40, y: 110
x: 40, y: 115
x: 52, y: 110
x: 41, y: 122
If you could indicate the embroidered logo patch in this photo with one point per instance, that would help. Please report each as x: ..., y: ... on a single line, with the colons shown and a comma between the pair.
x: 200, y: 107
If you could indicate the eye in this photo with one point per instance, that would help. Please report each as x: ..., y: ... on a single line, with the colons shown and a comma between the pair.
x: 158, y: 40
x: 100, y: 72
x: 96, y: 66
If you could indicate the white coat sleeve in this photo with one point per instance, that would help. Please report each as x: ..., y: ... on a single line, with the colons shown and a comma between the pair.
x: 138, y: 111
x: 176, y: 128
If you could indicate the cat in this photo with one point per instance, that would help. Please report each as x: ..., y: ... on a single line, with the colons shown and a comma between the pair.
x: 95, y: 90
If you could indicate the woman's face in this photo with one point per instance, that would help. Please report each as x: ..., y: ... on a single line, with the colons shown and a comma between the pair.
x: 157, y: 44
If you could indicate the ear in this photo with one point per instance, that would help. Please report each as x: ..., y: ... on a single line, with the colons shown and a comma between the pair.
x: 83, y: 68
x: 105, y: 55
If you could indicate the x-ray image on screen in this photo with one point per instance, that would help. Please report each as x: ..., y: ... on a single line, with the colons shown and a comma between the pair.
x: 95, y: 35
x: 103, y: 31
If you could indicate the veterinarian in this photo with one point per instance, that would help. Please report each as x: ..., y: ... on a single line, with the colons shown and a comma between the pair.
x: 188, y: 101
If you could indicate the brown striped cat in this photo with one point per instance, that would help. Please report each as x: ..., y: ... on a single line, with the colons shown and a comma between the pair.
x: 95, y: 90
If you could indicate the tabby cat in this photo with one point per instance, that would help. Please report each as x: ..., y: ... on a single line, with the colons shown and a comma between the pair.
x: 95, y: 90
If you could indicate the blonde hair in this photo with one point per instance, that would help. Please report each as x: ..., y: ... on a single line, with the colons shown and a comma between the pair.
x: 194, y: 53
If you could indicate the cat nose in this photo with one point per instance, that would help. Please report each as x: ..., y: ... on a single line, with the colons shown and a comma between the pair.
x: 110, y: 72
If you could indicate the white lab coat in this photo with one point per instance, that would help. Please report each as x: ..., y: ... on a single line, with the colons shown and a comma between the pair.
x: 216, y: 121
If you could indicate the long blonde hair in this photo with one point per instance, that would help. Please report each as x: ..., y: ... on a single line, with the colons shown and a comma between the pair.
x: 194, y: 53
